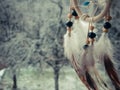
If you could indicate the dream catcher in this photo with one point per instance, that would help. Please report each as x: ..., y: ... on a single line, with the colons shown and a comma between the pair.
x: 80, y: 49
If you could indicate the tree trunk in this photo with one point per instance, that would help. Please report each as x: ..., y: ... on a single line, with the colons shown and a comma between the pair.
x: 56, y: 78
x: 14, y: 82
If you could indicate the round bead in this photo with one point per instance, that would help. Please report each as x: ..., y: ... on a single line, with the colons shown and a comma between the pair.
x: 69, y: 15
x: 86, y: 3
x: 108, y: 18
x: 107, y: 25
x: 91, y: 28
x: 91, y: 35
x: 74, y: 13
x: 85, y: 46
x: 69, y: 24
x: 105, y: 30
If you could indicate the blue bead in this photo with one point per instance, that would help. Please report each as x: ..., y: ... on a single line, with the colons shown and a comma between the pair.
x: 85, y: 46
x: 86, y: 3
x: 74, y: 13
x: 69, y: 24
x: 107, y: 25
x: 91, y: 35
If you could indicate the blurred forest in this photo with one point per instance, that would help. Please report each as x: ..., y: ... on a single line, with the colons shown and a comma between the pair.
x: 31, y: 44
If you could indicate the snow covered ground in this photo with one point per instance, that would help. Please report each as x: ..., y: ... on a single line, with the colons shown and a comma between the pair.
x: 33, y: 79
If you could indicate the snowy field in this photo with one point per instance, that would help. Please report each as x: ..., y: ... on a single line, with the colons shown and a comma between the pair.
x: 33, y: 79
x: 30, y: 79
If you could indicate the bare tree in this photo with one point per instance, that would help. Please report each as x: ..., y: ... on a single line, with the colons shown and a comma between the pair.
x: 54, y: 50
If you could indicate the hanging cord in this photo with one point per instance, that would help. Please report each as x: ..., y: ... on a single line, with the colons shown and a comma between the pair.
x: 97, y: 74
x: 89, y: 78
x: 90, y: 24
x: 90, y: 28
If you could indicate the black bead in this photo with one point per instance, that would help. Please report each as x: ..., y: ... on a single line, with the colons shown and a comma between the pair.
x: 74, y: 13
x: 107, y: 25
x: 85, y: 46
x: 69, y: 24
x: 91, y: 35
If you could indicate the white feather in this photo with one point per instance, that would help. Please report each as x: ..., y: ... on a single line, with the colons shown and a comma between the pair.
x: 103, y: 46
x: 81, y: 30
x: 87, y: 58
x: 73, y: 45
x: 70, y: 45
x: 72, y: 49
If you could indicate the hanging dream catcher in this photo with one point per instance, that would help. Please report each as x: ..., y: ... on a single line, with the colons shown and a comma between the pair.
x: 80, y: 49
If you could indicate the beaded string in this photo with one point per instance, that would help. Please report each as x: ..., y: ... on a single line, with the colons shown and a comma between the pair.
x: 90, y: 35
x: 107, y: 24
x: 69, y: 23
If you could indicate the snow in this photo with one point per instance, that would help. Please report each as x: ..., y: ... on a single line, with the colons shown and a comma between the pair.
x: 32, y: 79
x: 1, y: 73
